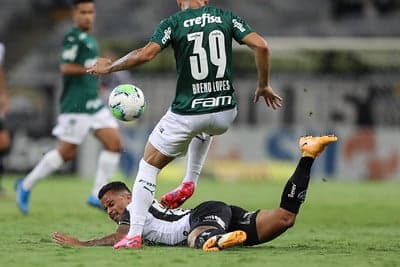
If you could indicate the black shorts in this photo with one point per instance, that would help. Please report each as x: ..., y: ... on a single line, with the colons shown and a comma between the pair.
x: 245, y: 221
x: 227, y: 218
x: 214, y: 213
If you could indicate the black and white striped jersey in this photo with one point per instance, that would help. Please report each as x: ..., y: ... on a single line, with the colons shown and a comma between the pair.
x: 163, y: 226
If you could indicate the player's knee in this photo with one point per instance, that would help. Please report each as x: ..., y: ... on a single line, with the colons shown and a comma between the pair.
x: 191, y: 240
x: 4, y: 148
x: 113, y: 145
x: 288, y: 219
x: 68, y: 155
x: 4, y: 142
x: 117, y: 148
x: 67, y: 152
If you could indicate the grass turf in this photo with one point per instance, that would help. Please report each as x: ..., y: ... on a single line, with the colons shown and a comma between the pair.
x: 341, y: 224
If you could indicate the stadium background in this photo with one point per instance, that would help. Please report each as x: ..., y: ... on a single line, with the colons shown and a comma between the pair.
x: 335, y: 62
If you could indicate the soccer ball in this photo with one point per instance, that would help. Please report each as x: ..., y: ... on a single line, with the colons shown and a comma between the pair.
x: 126, y: 102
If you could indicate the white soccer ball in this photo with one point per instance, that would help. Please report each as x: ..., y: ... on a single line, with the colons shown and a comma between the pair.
x: 126, y: 102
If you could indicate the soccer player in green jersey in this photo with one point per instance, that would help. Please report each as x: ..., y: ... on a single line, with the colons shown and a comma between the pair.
x: 204, y: 104
x: 82, y: 110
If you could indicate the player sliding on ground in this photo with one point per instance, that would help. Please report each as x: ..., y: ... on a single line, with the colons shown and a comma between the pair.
x: 212, y: 225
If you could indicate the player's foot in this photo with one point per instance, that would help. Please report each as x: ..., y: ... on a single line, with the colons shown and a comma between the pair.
x: 312, y: 146
x: 94, y: 202
x: 133, y: 242
x: 175, y: 198
x: 22, y: 197
x: 219, y: 242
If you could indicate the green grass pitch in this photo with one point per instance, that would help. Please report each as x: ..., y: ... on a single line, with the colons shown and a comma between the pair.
x: 340, y: 224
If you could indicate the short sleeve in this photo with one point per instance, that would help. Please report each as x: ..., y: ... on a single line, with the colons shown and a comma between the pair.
x: 163, y: 33
x: 70, y: 49
x: 2, y: 54
x: 240, y: 28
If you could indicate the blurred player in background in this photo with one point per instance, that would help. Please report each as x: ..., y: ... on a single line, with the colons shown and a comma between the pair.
x: 4, y: 134
x: 204, y: 104
x: 107, y: 84
x: 82, y: 110
x: 212, y: 225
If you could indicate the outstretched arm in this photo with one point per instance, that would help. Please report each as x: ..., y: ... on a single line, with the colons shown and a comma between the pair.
x: 261, y: 53
x: 132, y: 59
x: 108, y: 240
x: 72, y: 69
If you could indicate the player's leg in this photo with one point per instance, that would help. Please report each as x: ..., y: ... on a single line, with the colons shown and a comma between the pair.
x: 209, y: 223
x: 107, y: 162
x: 4, y: 146
x: 197, y: 154
x: 272, y: 223
x: 204, y: 126
x: 143, y: 194
x: 106, y: 130
x: 169, y: 139
x: 50, y: 162
x: 70, y: 130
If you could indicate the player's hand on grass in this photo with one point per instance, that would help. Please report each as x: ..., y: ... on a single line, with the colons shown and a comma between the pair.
x: 65, y: 240
x: 102, y: 66
x: 271, y: 98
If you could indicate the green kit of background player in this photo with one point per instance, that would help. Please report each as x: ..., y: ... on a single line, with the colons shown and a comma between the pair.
x: 81, y: 111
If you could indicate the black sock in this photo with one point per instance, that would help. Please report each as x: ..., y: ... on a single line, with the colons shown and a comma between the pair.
x: 295, y: 190
x: 204, y: 236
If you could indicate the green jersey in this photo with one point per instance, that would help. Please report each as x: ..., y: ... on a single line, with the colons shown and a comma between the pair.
x: 80, y: 92
x: 202, y: 43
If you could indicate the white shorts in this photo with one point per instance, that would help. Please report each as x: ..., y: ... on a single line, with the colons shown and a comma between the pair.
x: 73, y: 127
x: 173, y: 133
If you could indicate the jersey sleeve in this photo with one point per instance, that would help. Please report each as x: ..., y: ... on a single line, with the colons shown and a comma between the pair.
x: 240, y: 28
x: 163, y: 33
x: 70, y: 49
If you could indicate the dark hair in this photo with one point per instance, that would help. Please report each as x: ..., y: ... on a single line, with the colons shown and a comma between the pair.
x: 113, y: 186
x: 77, y: 2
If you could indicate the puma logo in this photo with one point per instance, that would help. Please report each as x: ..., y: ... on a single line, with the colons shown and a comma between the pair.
x: 148, y: 186
x: 292, y: 191
x: 148, y: 189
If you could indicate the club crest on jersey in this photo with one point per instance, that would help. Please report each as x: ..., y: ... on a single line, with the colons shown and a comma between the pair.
x: 205, y: 18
